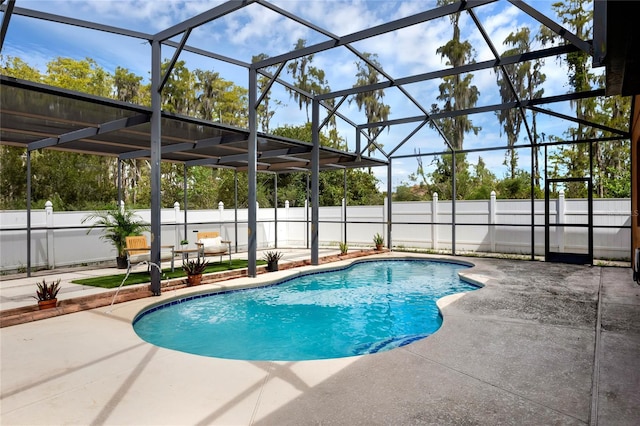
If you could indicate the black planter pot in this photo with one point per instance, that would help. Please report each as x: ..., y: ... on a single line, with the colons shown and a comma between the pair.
x: 272, y: 266
x: 121, y: 262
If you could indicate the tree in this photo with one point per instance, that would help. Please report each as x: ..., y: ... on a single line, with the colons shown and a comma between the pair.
x: 519, y: 81
x: 265, y: 112
x: 177, y: 94
x: 482, y: 182
x: 361, y: 186
x: 372, y: 101
x: 573, y: 160
x: 517, y: 187
x: 15, y: 67
x: 612, y: 168
x: 456, y: 91
x: 13, y: 185
x: 83, y: 76
x: 128, y: 87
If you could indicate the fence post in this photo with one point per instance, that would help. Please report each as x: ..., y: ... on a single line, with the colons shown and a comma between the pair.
x: 257, y: 224
x: 385, y: 220
x: 306, y: 219
x: 221, y: 218
x: 286, y: 218
x: 560, y: 219
x: 434, y: 220
x: 492, y: 221
x: 51, y: 255
x: 176, y: 221
x: 343, y: 221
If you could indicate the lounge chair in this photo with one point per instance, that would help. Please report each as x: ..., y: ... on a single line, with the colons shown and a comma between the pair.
x: 138, y: 250
x: 210, y: 243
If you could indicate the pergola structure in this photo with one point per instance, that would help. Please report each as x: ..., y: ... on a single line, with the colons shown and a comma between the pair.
x: 36, y: 116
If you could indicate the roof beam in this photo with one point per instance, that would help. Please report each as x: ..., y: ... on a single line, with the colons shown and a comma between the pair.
x: 88, y: 132
x: 174, y: 59
x: 203, y: 18
x: 586, y: 47
x: 166, y: 149
x: 6, y: 17
x: 489, y: 108
x: 78, y: 23
x: 119, y: 31
x: 492, y: 63
x: 580, y: 121
x: 375, y: 31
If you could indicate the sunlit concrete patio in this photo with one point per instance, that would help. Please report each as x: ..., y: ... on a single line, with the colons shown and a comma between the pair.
x: 540, y: 343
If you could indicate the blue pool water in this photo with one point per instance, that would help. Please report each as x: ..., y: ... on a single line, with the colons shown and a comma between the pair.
x: 369, y: 307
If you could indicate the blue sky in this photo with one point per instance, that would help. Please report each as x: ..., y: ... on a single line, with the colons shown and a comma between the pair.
x: 255, y: 29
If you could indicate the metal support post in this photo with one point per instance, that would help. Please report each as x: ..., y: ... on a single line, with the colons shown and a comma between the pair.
x: 275, y: 204
x: 389, y: 207
x: 453, y: 203
x: 252, y: 145
x: 156, y: 148
x: 315, y: 182
x: 28, y: 213
x: 186, y: 198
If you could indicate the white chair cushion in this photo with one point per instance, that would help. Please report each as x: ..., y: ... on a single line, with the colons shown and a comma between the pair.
x: 212, y: 245
x: 137, y: 258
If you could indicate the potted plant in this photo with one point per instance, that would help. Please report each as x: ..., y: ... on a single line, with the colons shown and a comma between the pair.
x: 47, y: 293
x: 378, y: 241
x: 344, y: 248
x: 272, y: 258
x: 184, y: 243
x: 194, y: 270
x: 118, y: 225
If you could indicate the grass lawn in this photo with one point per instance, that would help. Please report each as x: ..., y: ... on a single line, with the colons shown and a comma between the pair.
x: 113, y: 281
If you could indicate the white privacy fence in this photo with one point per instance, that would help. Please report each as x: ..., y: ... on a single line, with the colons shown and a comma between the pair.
x: 494, y: 226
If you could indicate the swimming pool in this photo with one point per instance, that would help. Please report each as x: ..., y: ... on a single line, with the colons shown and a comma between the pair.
x: 368, y: 307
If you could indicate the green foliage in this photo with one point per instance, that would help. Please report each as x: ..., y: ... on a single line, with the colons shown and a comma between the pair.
x: 265, y: 111
x: 15, y: 67
x: 344, y: 248
x: 272, y: 256
x: 129, y: 87
x: 456, y: 91
x: 117, y: 225
x: 361, y: 186
x: 195, y: 267
x: 13, y: 185
x: 617, y: 185
x: 372, y: 101
x: 47, y: 291
x: 83, y: 76
x: 411, y: 193
x: 73, y: 181
x: 518, y: 187
x: 516, y: 82
x: 378, y: 239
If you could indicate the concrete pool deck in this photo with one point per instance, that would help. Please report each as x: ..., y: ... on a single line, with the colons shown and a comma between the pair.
x: 540, y: 344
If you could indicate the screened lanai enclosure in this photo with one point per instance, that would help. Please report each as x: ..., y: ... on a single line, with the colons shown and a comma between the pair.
x: 433, y: 98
